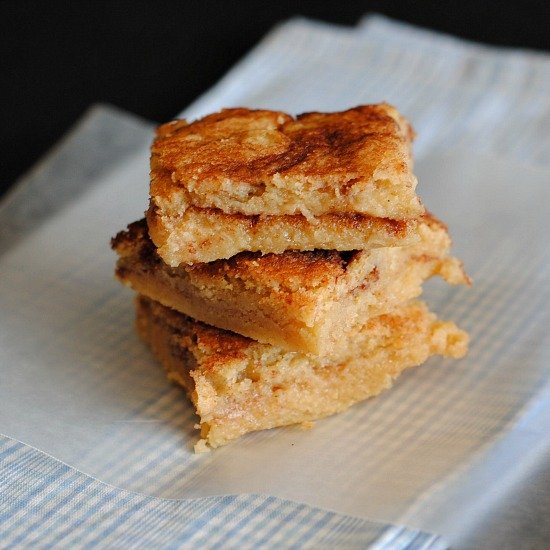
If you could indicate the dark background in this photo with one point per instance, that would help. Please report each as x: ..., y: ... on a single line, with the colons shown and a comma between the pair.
x: 153, y: 58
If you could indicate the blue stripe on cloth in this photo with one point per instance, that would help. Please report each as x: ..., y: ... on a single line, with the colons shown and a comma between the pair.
x: 45, y: 503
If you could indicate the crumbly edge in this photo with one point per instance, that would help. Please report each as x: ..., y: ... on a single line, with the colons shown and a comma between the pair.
x: 255, y: 386
x: 204, y: 235
x: 387, y: 194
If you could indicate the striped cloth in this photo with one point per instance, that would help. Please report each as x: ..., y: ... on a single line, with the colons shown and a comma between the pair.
x: 475, y: 425
x: 45, y: 504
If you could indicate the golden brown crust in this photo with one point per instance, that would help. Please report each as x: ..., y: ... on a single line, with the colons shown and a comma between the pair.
x: 235, y: 143
x: 253, y: 145
x: 266, y: 162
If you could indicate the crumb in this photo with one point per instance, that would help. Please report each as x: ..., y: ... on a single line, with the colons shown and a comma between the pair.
x: 201, y: 447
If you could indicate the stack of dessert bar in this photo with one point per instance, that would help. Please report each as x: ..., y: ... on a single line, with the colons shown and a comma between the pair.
x: 279, y: 262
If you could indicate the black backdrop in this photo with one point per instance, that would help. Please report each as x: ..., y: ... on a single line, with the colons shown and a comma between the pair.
x: 155, y: 57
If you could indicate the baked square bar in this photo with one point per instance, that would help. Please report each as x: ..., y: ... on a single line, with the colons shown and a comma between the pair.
x: 238, y: 385
x: 310, y: 302
x: 208, y: 234
x: 267, y: 163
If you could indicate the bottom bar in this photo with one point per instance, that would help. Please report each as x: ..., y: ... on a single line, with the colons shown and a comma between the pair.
x: 239, y: 385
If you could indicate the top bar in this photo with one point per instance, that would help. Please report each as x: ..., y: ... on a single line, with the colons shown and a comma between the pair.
x: 258, y: 162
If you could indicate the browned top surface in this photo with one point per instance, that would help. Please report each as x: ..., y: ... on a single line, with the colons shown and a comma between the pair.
x: 292, y: 269
x: 253, y: 145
